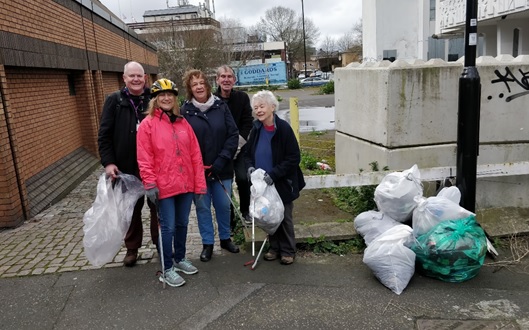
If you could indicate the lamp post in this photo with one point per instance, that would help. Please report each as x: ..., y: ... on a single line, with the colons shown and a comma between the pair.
x: 468, y: 114
x: 304, y: 46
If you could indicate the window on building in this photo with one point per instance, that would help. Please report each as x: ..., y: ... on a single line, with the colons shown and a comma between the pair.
x: 390, y: 55
x: 432, y: 10
x: 71, y: 84
x: 453, y: 57
x: 515, y: 42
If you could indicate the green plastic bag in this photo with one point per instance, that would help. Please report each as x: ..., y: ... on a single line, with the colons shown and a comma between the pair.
x: 452, y: 251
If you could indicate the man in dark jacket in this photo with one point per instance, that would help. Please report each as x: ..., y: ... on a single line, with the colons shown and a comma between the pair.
x: 122, y: 113
x: 241, y: 110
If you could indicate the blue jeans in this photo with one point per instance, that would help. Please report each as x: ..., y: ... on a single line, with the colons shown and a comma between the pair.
x: 174, y: 217
x: 221, y: 202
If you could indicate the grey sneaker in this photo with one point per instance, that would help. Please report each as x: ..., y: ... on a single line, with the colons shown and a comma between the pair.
x: 185, y: 266
x: 172, y: 278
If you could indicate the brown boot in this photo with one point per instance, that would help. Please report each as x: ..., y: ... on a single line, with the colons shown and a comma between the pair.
x: 285, y: 260
x: 131, y: 257
x: 271, y: 255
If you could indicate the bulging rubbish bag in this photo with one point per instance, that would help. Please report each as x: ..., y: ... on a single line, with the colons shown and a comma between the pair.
x: 371, y: 224
x: 266, y: 206
x: 433, y: 210
x: 452, y: 251
x: 395, y: 194
x: 452, y: 193
x: 107, y: 221
x: 391, y: 261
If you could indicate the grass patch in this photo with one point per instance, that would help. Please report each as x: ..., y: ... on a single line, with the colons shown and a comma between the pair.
x: 317, y: 146
x: 356, y: 200
x: 323, y: 245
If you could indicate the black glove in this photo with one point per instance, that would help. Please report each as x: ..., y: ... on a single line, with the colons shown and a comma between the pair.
x: 268, y: 179
x: 212, y: 173
x: 152, y: 194
x: 250, y: 171
x: 215, y: 171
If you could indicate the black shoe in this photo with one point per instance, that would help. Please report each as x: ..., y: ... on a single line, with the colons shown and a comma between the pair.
x: 247, y: 219
x: 228, y: 245
x: 207, y: 252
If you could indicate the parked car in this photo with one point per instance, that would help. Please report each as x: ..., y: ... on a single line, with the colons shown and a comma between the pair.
x: 314, y: 81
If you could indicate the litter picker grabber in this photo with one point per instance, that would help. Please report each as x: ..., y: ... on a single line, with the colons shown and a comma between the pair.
x: 254, y: 262
x: 160, y: 245
x: 235, y: 208
x: 245, y: 227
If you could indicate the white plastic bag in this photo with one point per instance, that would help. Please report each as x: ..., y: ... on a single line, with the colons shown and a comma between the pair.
x: 266, y: 206
x: 371, y: 224
x: 395, y: 194
x: 391, y: 261
x: 433, y: 210
x: 452, y: 193
x: 107, y: 221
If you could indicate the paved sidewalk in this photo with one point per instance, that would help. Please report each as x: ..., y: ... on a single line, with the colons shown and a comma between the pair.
x: 52, y: 241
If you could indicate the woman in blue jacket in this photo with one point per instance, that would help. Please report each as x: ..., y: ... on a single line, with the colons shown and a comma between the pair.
x: 273, y: 147
x: 218, y: 137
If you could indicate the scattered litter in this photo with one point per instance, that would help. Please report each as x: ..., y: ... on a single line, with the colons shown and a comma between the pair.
x: 324, y: 166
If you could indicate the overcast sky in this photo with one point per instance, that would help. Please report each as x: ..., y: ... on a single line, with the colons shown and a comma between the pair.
x: 333, y: 18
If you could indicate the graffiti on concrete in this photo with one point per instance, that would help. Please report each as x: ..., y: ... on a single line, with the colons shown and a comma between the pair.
x: 509, y: 78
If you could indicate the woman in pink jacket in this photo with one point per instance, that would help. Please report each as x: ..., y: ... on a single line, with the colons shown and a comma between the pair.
x: 172, y: 171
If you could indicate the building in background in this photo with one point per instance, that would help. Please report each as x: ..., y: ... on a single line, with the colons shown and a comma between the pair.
x: 188, y: 36
x: 503, y: 25
x: 426, y: 29
x: 182, y: 23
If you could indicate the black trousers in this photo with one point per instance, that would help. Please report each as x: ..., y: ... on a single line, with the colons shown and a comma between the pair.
x: 283, y: 241
x: 134, y: 236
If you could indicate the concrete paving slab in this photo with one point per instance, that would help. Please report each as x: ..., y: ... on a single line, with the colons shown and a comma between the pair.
x: 503, y: 222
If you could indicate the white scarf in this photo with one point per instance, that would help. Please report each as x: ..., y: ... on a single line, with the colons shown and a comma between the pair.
x: 204, y: 106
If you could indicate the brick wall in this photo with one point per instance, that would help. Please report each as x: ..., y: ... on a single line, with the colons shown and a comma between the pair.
x: 58, y: 61
x: 10, y: 202
x: 46, y: 120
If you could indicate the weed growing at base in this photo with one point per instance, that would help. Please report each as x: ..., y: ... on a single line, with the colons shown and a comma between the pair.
x: 323, y: 245
x: 356, y: 200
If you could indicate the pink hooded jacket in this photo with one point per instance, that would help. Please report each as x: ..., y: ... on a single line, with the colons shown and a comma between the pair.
x: 169, y: 156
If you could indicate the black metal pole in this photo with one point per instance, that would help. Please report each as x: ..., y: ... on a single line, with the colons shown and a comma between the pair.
x: 304, y: 45
x: 468, y: 114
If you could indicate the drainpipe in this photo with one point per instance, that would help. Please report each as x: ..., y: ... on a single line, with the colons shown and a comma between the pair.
x: 13, y: 154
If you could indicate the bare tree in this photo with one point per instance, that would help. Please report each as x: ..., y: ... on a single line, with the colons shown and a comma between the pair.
x: 351, y: 39
x: 328, y: 51
x: 182, y: 47
x: 328, y: 46
x: 282, y: 24
x: 238, y: 44
x: 345, y: 42
x: 357, y: 33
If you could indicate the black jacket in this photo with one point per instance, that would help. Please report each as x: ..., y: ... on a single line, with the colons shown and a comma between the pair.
x: 241, y: 110
x: 117, y: 132
x: 286, y: 174
x: 217, y: 135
